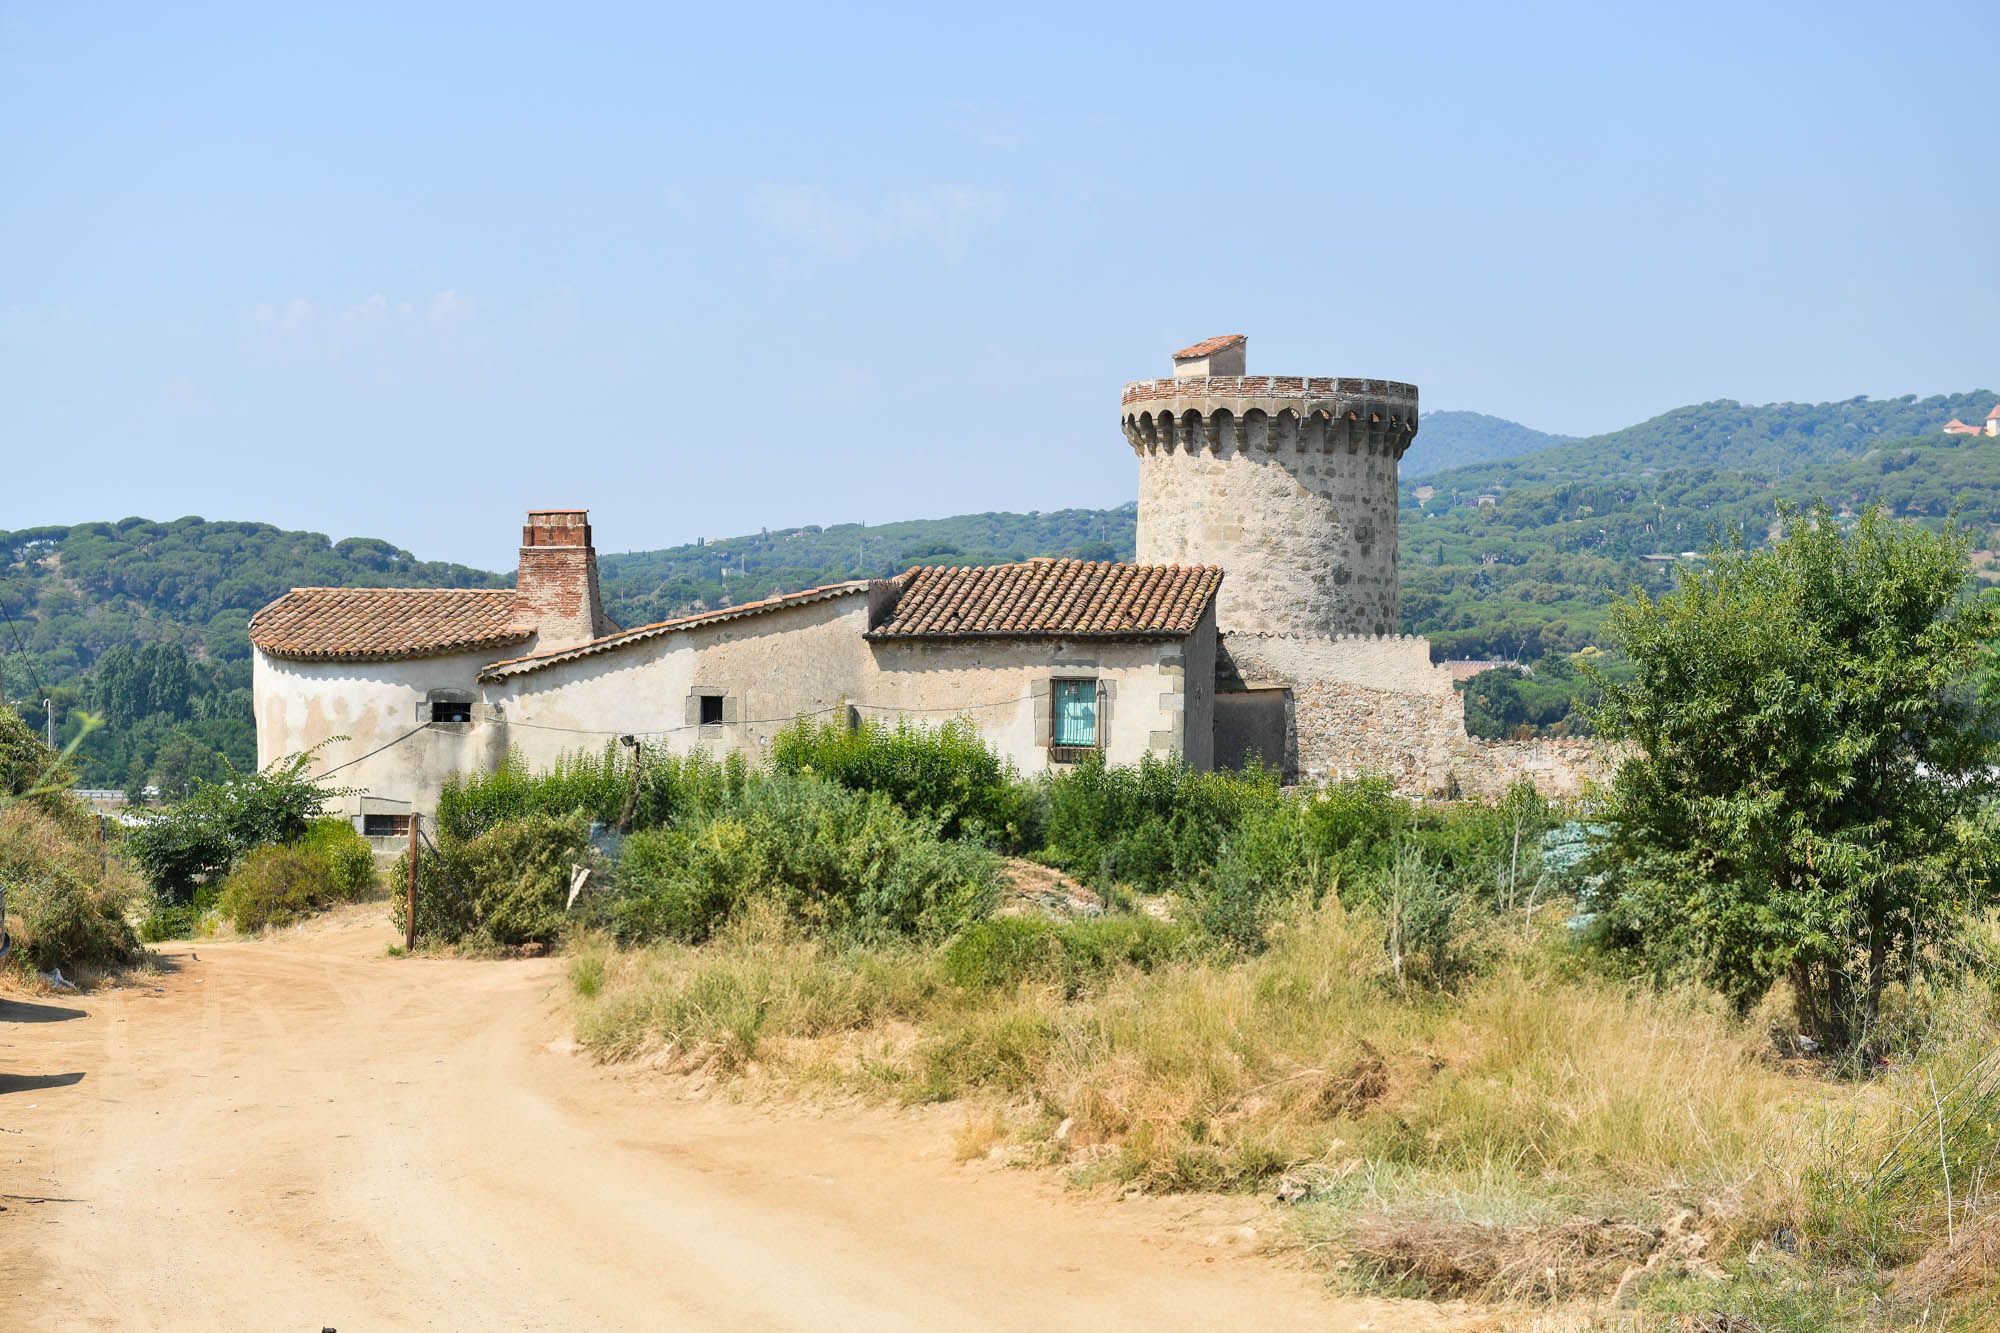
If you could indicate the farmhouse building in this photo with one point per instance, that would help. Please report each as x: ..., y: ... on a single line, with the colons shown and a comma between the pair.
x: 1257, y: 624
x: 1992, y: 427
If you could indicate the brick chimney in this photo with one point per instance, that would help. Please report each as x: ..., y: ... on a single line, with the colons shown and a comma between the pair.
x: 555, y: 588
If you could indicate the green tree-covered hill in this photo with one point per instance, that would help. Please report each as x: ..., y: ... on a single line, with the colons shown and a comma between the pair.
x: 1515, y: 557
x: 143, y: 623
x: 1461, y: 439
x: 645, y: 586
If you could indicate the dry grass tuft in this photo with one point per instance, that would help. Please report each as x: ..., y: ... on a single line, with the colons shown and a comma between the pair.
x: 1954, y: 1268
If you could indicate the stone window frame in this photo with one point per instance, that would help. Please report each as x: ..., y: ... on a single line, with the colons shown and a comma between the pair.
x: 731, y: 706
x: 1042, y: 692
x: 456, y: 700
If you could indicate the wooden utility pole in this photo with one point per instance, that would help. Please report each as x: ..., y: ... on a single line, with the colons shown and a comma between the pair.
x: 410, y: 934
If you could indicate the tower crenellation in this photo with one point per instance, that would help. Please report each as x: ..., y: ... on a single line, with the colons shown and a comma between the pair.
x: 1288, y: 482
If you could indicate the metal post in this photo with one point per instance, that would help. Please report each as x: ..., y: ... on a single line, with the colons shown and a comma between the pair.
x: 49, y: 721
x: 410, y: 935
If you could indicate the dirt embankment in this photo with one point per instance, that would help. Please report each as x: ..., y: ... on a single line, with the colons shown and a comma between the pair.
x: 304, y: 1133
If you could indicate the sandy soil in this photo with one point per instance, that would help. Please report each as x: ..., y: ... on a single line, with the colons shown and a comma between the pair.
x: 304, y: 1133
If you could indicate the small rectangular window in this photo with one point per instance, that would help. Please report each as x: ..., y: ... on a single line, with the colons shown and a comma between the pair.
x: 711, y: 710
x: 1074, y: 722
x: 385, y: 826
x: 444, y: 711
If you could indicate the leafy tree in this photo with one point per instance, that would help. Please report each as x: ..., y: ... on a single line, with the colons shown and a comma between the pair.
x: 1807, y: 797
x: 204, y: 834
x: 184, y: 763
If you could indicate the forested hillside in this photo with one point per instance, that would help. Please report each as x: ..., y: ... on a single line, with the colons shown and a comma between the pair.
x: 1521, y: 558
x: 143, y: 622
x: 1461, y: 439
x: 653, y: 585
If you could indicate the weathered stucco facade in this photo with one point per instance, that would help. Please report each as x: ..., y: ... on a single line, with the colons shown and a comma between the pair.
x: 728, y: 681
x: 1286, y: 485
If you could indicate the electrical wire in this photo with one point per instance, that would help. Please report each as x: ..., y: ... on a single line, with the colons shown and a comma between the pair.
x: 670, y: 731
x: 506, y: 721
x: 421, y: 726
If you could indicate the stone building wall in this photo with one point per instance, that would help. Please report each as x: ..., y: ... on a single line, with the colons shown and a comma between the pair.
x: 1287, y: 482
x: 1375, y: 705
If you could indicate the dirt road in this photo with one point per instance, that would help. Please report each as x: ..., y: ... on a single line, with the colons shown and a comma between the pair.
x: 304, y: 1133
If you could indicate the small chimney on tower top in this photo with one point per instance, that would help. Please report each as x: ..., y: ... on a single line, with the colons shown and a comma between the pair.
x: 1221, y: 355
x: 555, y: 587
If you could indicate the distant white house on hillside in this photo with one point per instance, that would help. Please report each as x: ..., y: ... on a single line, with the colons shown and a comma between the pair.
x: 1957, y: 427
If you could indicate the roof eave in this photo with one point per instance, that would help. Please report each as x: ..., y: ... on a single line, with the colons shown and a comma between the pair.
x: 442, y: 650
x: 641, y: 633
x: 1033, y: 635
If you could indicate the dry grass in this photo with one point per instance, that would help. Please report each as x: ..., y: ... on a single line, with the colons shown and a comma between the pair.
x: 1503, y: 1124
x: 66, y: 901
x: 1543, y: 1134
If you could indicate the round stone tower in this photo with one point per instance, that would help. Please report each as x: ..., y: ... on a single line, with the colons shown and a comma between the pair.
x: 1288, y: 482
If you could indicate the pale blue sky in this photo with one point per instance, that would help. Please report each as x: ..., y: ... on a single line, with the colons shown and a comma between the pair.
x: 737, y: 266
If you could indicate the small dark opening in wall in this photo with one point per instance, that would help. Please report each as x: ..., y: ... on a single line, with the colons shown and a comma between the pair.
x: 442, y: 711
x: 711, y: 710
x: 385, y: 826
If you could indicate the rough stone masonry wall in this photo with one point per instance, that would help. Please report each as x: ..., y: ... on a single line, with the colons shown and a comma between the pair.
x: 1375, y: 705
x: 1287, y: 482
x: 1299, y: 536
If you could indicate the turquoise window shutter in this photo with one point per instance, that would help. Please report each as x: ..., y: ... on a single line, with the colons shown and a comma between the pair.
x: 1075, y: 712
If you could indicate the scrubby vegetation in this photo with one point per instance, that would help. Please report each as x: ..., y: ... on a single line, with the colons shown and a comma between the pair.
x: 252, y: 849
x: 66, y: 899
x: 280, y: 883
x: 709, y: 840
x: 1718, y: 1043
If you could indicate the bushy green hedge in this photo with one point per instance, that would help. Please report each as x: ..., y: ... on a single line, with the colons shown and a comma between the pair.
x: 505, y: 887
x: 202, y: 836
x: 600, y: 785
x: 945, y: 771
x: 839, y: 862
x: 1157, y: 827
x: 593, y: 782
x: 277, y: 885
x: 878, y: 832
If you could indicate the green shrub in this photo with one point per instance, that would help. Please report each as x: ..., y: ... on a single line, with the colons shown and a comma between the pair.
x: 838, y: 862
x: 1264, y: 867
x: 275, y: 886
x: 35, y: 775
x: 1071, y: 955
x: 1003, y: 952
x: 168, y: 920
x: 349, y: 860
x: 202, y: 836
x: 506, y: 887
x: 601, y: 785
x: 1157, y: 826
x: 682, y: 787
x: 676, y: 885
x: 595, y: 783
x: 68, y: 907
x: 1427, y: 926
x: 945, y: 771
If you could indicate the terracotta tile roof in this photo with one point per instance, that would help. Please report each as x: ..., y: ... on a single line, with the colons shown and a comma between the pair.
x: 380, y: 624
x: 1208, y: 346
x: 516, y: 665
x: 1071, y: 599
x: 1994, y: 415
